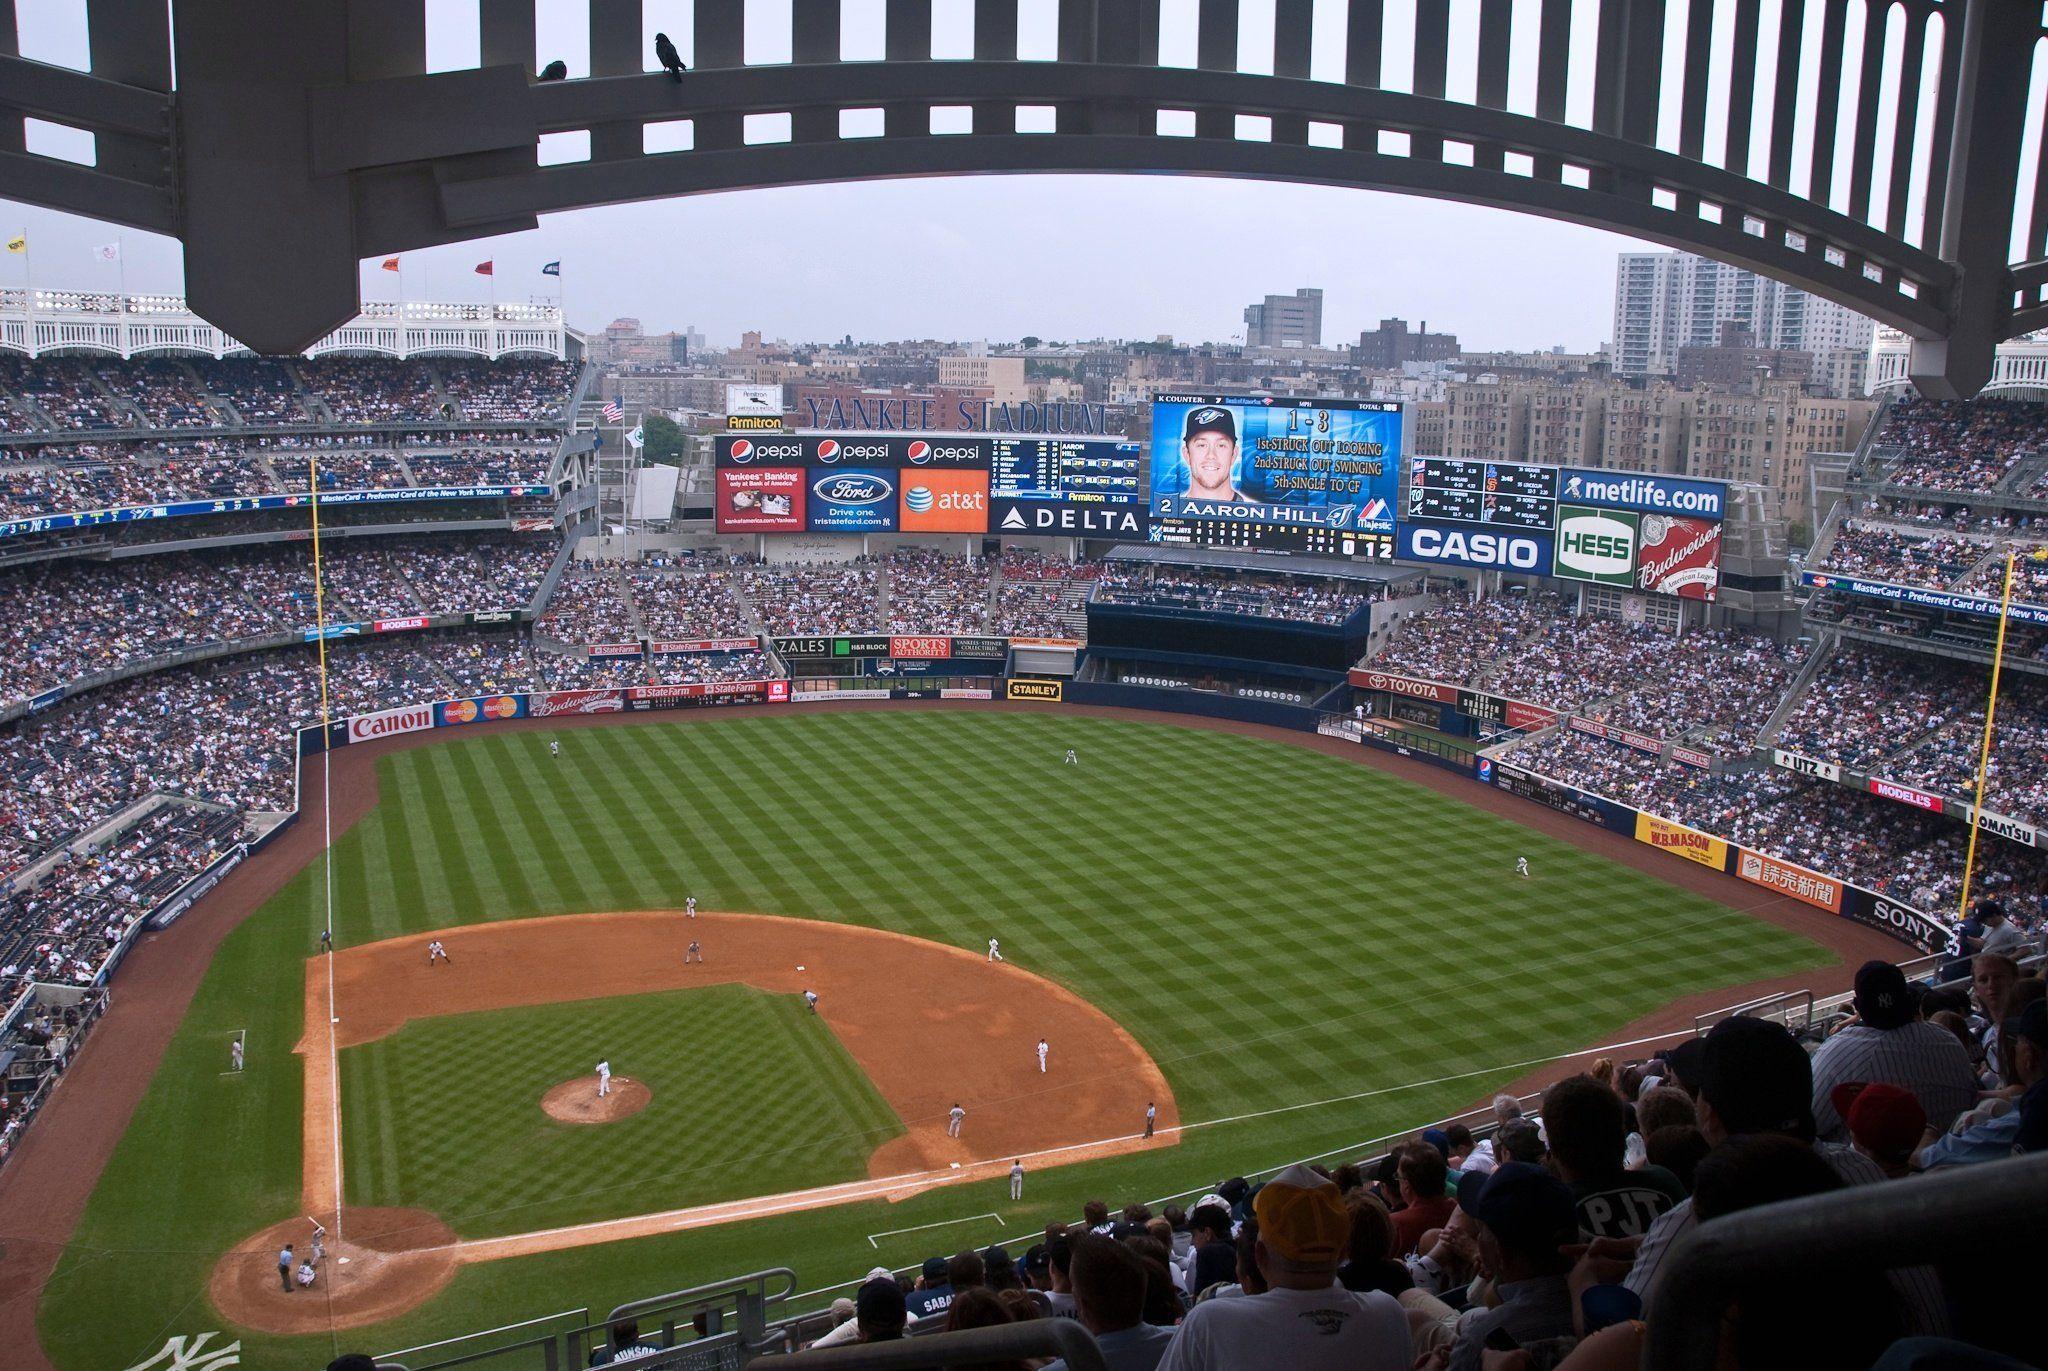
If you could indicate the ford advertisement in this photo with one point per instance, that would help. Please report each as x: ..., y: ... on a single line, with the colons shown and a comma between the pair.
x: 851, y: 500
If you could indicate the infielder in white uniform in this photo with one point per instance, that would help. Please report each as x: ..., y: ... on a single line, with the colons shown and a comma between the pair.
x: 811, y: 1000
x: 1072, y: 759
x: 954, y: 1117
x: 1017, y: 1179
x: 437, y: 953
x: 604, y: 1079
x: 694, y: 954
x: 1042, y: 1050
x: 995, y: 952
x: 690, y: 906
x: 1522, y: 867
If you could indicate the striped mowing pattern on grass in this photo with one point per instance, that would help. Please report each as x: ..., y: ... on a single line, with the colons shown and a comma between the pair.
x: 1276, y: 926
x: 445, y: 1114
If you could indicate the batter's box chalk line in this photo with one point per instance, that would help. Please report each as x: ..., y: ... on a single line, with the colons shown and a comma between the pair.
x: 942, y: 1223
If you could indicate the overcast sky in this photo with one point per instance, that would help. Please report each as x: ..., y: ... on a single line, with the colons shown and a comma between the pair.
x: 970, y: 258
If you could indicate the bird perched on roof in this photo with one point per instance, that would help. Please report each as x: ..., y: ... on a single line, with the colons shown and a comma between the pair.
x: 557, y: 70
x: 671, y: 60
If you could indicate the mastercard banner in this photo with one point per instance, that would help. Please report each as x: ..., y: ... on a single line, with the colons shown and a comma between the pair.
x: 484, y: 708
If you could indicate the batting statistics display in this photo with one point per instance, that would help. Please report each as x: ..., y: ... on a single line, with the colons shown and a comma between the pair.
x: 1261, y: 472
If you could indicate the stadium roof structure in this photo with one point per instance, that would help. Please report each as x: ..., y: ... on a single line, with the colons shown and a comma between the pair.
x: 300, y: 138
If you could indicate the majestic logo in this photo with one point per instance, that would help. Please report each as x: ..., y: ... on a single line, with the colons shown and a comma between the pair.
x: 919, y: 499
x: 192, y: 1354
x: 848, y: 489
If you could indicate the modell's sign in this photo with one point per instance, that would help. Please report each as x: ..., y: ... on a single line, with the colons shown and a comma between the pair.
x: 1404, y: 685
x: 1811, y: 887
x: 387, y: 723
x: 1905, y: 795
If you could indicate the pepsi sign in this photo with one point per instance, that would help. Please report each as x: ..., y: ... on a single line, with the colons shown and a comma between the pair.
x: 1493, y: 549
x: 851, y: 500
x: 868, y: 450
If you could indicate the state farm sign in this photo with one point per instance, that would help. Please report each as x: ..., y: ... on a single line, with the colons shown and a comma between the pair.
x: 387, y: 723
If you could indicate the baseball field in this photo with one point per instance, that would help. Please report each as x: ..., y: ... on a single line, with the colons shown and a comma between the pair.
x: 1289, y: 952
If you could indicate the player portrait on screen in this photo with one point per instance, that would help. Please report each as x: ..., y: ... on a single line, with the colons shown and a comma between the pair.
x: 1208, y: 445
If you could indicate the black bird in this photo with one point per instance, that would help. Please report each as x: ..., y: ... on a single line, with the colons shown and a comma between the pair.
x: 671, y: 60
x: 557, y: 70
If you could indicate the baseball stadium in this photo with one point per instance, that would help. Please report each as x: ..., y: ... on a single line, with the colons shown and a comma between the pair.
x: 515, y: 855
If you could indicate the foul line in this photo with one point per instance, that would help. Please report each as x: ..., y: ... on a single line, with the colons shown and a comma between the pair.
x: 942, y: 1223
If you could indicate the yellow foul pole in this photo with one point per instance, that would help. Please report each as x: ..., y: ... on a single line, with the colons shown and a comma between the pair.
x: 1984, y: 752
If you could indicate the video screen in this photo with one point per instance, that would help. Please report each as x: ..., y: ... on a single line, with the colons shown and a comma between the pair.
x: 1226, y: 469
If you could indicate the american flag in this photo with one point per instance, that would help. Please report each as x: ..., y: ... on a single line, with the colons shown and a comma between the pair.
x: 612, y: 412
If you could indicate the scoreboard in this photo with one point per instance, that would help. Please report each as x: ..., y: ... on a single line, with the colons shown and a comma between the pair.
x: 1090, y: 470
x: 1252, y: 536
x: 1494, y: 494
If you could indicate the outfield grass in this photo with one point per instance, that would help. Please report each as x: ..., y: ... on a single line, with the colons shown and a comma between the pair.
x: 445, y: 1113
x: 1276, y: 926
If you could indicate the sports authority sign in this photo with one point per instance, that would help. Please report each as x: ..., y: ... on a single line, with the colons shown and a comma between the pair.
x: 1824, y: 892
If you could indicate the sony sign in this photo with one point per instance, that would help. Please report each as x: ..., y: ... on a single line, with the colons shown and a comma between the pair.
x: 1497, y: 550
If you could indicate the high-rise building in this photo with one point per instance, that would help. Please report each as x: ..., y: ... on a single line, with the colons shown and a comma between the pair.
x: 1286, y: 321
x: 1392, y: 343
x: 1664, y: 301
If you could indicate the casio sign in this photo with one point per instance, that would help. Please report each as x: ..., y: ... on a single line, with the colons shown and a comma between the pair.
x: 1476, y: 549
x: 845, y: 488
x: 1595, y: 545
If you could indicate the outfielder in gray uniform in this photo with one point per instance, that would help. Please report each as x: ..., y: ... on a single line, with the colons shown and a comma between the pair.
x: 1017, y: 1179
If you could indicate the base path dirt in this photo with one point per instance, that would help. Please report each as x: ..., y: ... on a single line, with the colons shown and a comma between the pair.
x: 391, y: 1260
x: 49, y: 1178
x: 578, y: 1101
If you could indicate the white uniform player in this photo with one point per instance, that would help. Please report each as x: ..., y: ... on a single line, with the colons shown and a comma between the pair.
x: 235, y: 1055
x: 1522, y: 867
x: 319, y: 1242
x: 954, y: 1117
x: 1017, y: 1179
x: 437, y: 953
x: 1072, y: 759
x: 1042, y: 1050
x: 554, y: 749
x: 690, y: 906
x: 604, y: 1079
x: 995, y: 951
x: 811, y: 1000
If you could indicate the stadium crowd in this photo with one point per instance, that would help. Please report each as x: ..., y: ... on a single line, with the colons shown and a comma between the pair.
x: 589, y: 606
x: 817, y: 597
x: 1959, y: 445
x: 676, y: 603
x: 933, y: 592
x: 1304, y: 599
x: 1035, y: 595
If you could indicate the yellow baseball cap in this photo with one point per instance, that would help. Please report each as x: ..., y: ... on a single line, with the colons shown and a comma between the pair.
x: 1302, y: 1217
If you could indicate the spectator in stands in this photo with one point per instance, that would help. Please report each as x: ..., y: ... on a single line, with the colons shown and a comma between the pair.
x: 980, y: 1307
x: 1370, y: 1263
x: 1109, y: 1292
x: 1754, y: 1078
x: 1424, y: 1203
x: 1678, y: 1148
x: 1662, y: 1106
x: 1996, y: 1133
x: 933, y: 1293
x: 1306, y: 1321
x: 1525, y: 1218
x: 1890, y: 1042
x: 1588, y: 1129
x: 1481, y: 1158
x: 879, y: 1311
x: 1210, y: 1257
x: 1884, y: 1121
x: 2001, y: 937
x: 624, y: 1345
x: 1992, y: 977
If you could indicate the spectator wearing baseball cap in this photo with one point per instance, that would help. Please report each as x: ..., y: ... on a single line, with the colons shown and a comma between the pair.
x: 878, y: 1315
x: 933, y: 1295
x: 2025, y: 1034
x: 1306, y: 1321
x: 1891, y: 1043
x: 1524, y: 1217
x: 1885, y: 1122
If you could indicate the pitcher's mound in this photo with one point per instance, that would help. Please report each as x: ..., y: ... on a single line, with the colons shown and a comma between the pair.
x: 577, y: 1101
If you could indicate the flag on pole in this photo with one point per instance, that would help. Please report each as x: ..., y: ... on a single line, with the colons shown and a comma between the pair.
x: 551, y: 269
x: 635, y: 436
x: 484, y: 269
x: 612, y: 412
x: 391, y: 264
x: 18, y: 243
x: 108, y: 252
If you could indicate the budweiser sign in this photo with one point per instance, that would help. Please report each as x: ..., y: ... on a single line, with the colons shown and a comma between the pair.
x: 1905, y: 795
x: 577, y: 702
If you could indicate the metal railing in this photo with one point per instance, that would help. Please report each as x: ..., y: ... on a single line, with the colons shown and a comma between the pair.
x: 1062, y: 1338
x: 1988, y: 1215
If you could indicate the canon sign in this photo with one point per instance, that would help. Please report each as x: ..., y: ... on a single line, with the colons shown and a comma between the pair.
x: 389, y: 722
